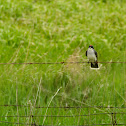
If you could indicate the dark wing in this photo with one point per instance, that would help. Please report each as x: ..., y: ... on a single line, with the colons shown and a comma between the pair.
x: 96, y: 54
x: 86, y: 53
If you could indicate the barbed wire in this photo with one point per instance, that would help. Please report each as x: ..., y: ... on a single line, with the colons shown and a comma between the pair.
x: 34, y: 124
x: 57, y: 63
x: 61, y: 107
x: 65, y: 107
x: 25, y: 116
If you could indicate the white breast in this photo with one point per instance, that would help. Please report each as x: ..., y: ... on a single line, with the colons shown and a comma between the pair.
x: 91, y: 55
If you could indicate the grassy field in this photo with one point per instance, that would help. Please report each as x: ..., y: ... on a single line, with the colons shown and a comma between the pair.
x: 55, y: 31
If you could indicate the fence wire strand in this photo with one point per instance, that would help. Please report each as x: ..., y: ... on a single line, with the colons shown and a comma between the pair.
x: 57, y: 63
x: 34, y: 124
x: 23, y: 116
x: 65, y: 107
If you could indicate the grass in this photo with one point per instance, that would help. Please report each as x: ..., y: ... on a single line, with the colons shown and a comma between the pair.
x: 55, y: 31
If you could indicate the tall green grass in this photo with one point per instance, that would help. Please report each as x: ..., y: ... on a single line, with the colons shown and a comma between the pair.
x: 55, y: 31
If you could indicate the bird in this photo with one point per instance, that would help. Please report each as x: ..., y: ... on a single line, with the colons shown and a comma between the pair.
x: 92, y: 56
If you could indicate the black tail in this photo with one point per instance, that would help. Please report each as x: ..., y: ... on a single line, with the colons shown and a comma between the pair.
x: 94, y: 65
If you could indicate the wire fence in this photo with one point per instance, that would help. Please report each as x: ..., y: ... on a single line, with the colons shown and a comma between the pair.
x: 112, y: 114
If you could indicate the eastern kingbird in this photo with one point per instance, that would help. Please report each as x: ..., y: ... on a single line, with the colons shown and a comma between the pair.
x: 92, y: 56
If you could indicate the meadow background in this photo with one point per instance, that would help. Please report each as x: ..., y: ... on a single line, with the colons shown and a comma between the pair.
x: 55, y: 31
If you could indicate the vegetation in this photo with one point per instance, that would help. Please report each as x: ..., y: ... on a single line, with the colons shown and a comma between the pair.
x: 55, y: 31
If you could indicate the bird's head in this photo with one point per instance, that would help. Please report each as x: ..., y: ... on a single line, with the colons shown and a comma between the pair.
x: 91, y: 46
